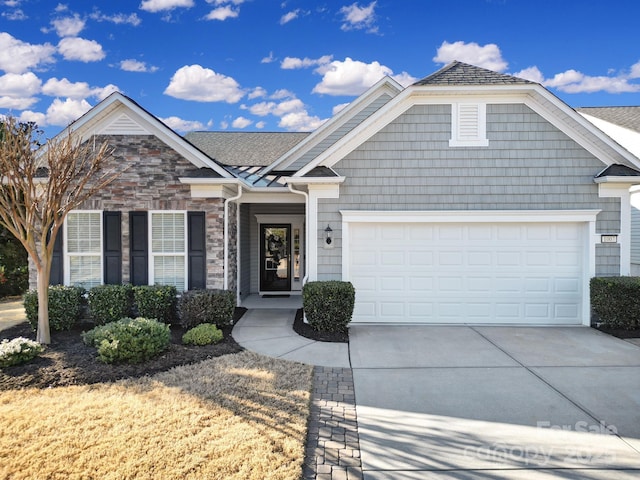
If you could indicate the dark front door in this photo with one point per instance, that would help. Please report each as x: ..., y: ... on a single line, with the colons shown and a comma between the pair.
x: 275, y: 254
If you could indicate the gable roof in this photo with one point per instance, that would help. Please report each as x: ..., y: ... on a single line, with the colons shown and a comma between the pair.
x: 627, y: 117
x: 245, y: 148
x: 119, y: 115
x: 459, y: 73
x: 462, y: 82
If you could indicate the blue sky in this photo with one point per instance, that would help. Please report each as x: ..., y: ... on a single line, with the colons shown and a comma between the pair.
x: 289, y: 65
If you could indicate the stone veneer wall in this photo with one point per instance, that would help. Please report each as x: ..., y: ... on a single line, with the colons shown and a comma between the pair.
x: 151, y: 183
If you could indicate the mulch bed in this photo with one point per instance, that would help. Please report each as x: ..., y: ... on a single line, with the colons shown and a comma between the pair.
x: 619, y: 332
x: 68, y: 361
x: 305, y: 330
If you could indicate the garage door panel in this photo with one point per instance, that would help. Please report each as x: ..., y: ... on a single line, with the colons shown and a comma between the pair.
x: 467, y: 273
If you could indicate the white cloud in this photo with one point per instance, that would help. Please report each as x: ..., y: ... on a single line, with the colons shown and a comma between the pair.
x: 573, y: 81
x: 268, y: 59
x: 19, y: 85
x: 222, y: 13
x: 261, y: 124
x: 262, y: 109
x: 300, y: 122
x: 117, y: 18
x: 257, y: 92
x: 292, y: 63
x: 68, y: 26
x: 289, y: 16
x: 62, y: 113
x: 132, y: 65
x: 180, y: 125
x: 161, y: 5
x: 352, y: 77
x: 76, y: 48
x: 16, y: 103
x: 38, y: 118
x: 356, y: 17
x: 241, y: 122
x: 282, y: 93
x: 64, y: 88
x: 338, y: 108
x: 15, y: 15
x: 485, y: 56
x: 17, y: 56
x: 193, y: 82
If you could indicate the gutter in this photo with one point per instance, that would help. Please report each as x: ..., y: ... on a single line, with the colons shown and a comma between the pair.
x: 225, y: 283
x: 306, y: 230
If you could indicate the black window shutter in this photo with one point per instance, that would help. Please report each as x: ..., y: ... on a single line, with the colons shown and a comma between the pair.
x: 57, y: 277
x: 139, y: 248
x: 112, y: 246
x: 197, y: 252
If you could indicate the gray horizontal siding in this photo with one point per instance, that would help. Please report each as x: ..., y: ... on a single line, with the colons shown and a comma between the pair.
x: 635, y: 236
x: 528, y: 165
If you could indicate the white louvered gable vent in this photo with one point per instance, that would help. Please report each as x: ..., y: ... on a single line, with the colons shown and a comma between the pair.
x: 123, y: 125
x: 468, y: 125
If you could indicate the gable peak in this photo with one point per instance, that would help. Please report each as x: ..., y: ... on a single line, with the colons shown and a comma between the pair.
x: 460, y: 73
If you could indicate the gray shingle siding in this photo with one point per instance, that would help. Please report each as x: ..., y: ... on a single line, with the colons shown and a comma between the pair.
x: 340, y: 132
x: 528, y: 165
x: 635, y: 236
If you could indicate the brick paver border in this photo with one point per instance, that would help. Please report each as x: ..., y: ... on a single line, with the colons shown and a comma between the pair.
x: 333, y: 449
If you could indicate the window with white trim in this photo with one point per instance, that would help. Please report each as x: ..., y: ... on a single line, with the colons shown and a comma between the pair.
x: 83, y: 248
x: 168, y: 250
x: 468, y: 125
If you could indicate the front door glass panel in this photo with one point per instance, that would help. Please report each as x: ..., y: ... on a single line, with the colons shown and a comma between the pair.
x: 275, y: 254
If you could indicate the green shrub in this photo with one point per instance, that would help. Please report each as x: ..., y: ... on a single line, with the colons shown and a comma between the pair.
x: 328, y: 305
x: 206, y: 306
x: 156, y: 301
x: 129, y: 340
x: 109, y: 303
x: 616, y: 300
x: 65, y: 307
x: 203, y: 334
x: 17, y: 351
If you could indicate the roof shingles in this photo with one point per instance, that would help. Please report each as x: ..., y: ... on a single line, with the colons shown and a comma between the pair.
x: 459, y: 73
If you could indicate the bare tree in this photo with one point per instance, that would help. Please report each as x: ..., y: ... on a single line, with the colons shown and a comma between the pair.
x: 41, y: 184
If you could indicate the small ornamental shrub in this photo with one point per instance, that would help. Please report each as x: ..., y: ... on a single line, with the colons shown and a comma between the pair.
x: 65, y: 307
x: 328, y: 305
x: 156, y: 301
x: 129, y: 340
x: 616, y: 300
x: 203, y: 334
x: 206, y: 306
x: 17, y: 351
x: 109, y: 303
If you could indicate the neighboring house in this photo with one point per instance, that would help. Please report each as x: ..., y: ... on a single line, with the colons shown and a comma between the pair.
x: 623, y: 125
x: 468, y: 197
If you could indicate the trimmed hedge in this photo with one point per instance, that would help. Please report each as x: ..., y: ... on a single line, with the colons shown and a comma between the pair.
x: 156, y: 301
x: 616, y: 300
x: 129, y: 340
x: 65, y: 307
x: 109, y: 303
x: 203, y: 334
x: 328, y: 305
x: 206, y: 306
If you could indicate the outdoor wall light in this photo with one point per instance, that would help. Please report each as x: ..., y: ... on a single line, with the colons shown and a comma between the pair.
x: 327, y: 233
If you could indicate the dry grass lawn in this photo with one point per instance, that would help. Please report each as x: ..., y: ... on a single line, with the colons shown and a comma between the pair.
x: 239, y: 416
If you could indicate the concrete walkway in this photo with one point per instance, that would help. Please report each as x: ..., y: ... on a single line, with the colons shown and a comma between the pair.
x: 270, y: 332
x: 11, y: 313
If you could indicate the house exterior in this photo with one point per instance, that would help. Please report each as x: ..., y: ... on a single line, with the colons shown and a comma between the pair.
x: 623, y: 125
x: 468, y: 197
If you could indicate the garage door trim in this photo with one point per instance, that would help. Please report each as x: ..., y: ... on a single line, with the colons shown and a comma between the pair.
x: 587, y: 217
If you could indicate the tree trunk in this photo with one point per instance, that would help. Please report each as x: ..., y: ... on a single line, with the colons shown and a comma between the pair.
x: 43, y: 334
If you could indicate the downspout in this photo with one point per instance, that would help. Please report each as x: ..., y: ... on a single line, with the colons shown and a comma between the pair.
x: 225, y: 282
x: 306, y: 230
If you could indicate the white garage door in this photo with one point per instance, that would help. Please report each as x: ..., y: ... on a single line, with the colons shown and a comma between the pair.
x: 495, y: 273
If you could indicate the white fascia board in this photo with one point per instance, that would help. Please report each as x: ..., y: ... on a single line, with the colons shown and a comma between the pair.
x: 537, y: 103
x: 314, y: 180
x: 279, y: 197
x: 469, y: 216
x: 386, y: 85
x: 629, y: 181
x: 208, y: 181
x: 86, y: 125
x: 627, y: 138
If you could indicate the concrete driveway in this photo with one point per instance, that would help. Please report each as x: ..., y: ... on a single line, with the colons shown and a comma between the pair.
x: 496, y: 402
